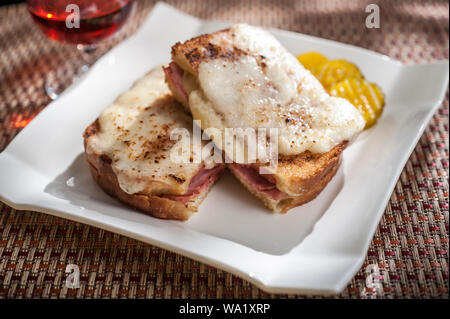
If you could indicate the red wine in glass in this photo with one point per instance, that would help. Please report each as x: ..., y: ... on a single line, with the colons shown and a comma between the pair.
x: 99, y: 19
x: 80, y: 22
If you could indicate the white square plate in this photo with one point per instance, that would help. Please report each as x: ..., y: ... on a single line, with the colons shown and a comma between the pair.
x: 316, y: 248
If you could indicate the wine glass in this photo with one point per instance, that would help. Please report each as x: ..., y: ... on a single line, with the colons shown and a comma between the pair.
x: 83, y: 23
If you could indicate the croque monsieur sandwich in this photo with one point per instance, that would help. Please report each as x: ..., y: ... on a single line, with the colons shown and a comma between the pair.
x: 128, y: 151
x: 242, y: 77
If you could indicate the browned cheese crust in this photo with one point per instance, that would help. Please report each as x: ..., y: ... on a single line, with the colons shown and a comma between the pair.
x: 190, y: 54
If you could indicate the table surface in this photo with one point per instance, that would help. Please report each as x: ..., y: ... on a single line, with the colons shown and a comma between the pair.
x: 411, y: 243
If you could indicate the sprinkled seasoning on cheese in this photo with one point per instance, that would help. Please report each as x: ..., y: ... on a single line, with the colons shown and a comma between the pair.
x: 135, y: 134
x: 265, y: 86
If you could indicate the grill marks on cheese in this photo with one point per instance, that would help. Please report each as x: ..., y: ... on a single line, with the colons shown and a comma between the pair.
x: 246, y: 78
x: 135, y: 134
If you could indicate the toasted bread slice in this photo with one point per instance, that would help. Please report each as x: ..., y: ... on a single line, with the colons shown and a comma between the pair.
x: 128, y: 149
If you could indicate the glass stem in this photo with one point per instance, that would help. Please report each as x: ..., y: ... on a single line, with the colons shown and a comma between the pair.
x: 55, y: 85
x: 88, y: 55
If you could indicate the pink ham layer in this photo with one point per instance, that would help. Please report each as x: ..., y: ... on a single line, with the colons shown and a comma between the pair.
x: 175, y: 74
x: 254, y: 180
x: 248, y: 173
x: 199, y: 183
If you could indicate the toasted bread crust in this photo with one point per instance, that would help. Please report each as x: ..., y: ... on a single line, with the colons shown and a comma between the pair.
x: 313, y: 186
x: 101, y: 170
x: 190, y: 54
x: 299, y: 173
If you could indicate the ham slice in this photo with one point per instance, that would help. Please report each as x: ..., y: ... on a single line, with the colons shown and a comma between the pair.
x: 263, y: 184
x: 205, y: 177
x: 199, y: 183
x: 175, y: 74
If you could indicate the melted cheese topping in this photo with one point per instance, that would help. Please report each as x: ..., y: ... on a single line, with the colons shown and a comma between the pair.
x: 266, y: 87
x: 135, y: 134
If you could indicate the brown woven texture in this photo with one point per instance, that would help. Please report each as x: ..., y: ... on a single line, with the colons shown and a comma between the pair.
x: 410, y: 246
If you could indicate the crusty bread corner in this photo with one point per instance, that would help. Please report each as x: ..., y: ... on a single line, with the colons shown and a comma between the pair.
x: 191, y: 53
x: 297, y: 173
x: 309, y: 187
x: 155, y: 206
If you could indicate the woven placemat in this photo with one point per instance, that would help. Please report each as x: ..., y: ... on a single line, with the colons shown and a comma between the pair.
x: 410, y: 246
